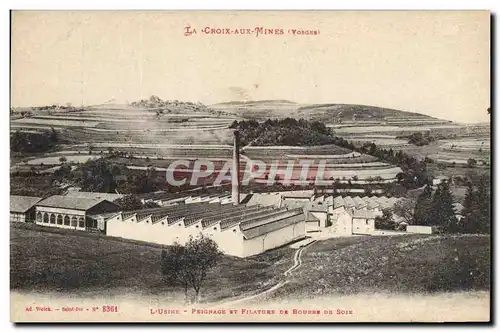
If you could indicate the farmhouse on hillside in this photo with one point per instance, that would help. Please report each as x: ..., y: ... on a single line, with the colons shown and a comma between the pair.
x: 72, y: 211
x: 22, y: 208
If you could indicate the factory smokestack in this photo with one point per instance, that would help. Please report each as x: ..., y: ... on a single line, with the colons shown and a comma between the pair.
x: 235, y: 193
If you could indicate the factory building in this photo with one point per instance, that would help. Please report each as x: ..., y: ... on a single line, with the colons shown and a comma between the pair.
x: 22, y: 208
x: 237, y: 229
x: 73, y: 212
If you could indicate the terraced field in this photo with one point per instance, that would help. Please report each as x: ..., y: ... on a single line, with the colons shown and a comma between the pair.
x: 117, y: 123
x: 156, y: 136
x: 466, y: 145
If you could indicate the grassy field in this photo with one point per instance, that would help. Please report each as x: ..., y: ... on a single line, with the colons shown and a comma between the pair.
x: 394, y: 264
x: 44, y: 260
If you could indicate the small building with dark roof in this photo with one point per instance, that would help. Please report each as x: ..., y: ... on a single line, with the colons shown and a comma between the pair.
x: 72, y: 212
x: 22, y: 208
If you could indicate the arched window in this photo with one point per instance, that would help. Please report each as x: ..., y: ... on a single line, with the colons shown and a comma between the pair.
x: 52, y: 218
x: 46, y: 218
x: 39, y: 216
x: 73, y: 221
x: 59, y: 220
x: 66, y: 220
x: 81, y: 222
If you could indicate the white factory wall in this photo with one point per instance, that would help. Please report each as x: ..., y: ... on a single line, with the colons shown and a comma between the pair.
x: 419, y: 229
x: 230, y: 241
x: 274, y: 239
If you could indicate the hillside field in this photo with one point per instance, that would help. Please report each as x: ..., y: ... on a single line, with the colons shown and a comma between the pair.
x: 55, y: 260
x: 421, y: 264
x: 404, y: 264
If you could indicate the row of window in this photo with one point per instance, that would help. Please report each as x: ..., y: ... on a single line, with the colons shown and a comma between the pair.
x: 60, y: 220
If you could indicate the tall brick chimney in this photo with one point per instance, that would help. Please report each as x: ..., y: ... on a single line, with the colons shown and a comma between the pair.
x: 235, y: 193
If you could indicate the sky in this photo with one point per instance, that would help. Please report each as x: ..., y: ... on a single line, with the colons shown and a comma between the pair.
x: 435, y: 63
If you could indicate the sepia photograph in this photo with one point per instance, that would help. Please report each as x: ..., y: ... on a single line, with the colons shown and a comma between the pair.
x: 250, y: 166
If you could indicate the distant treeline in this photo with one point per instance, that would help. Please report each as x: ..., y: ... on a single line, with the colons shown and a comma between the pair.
x: 33, y: 142
x: 287, y: 131
x: 304, y: 133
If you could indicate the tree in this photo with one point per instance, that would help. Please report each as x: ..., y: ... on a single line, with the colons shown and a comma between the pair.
x: 64, y: 172
x: 405, y: 208
x: 484, y: 205
x: 190, y: 264
x: 129, y: 203
x: 53, y: 136
x: 470, y: 202
x: 477, y: 208
x: 471, y: 162
x: 419, y: 139
x: 95, y: 175
x: 173, y: 261
x: 422, y: 208
x: 33, y: 142
x: 386, y: 221
x: 441, y: 212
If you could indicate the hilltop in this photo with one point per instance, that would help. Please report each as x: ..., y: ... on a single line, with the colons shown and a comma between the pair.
x: 328, y: 113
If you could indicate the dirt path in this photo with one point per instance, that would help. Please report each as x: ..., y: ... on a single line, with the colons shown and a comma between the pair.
x: 297, y: 262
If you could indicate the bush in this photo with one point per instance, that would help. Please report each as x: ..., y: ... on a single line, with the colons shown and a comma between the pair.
x: 386, y: 221
x: 33, y: 142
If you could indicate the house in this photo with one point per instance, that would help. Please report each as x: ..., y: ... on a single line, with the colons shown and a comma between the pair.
x: 356, y: 215
x: 316, y: 213
x: 22, y: 208
x: 363, y: 222
x: 72, y: 212
x: 340, y: 217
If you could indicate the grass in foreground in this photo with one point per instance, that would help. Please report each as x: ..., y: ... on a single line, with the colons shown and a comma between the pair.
x: 47, y: 259
x: 396, y: 264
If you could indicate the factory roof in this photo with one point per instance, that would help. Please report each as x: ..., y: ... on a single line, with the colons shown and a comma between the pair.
x: 87, y: 194
x: 71, y: 202
x: 21, y: 204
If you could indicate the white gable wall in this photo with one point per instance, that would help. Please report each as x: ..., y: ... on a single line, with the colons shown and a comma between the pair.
x: 230, y: 241
x: 363, y: 226
x: 322, y: 216
x: 273, y: 239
